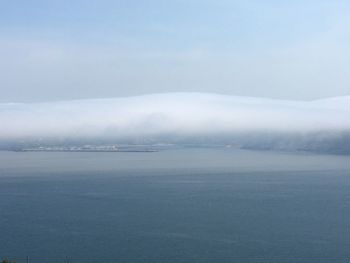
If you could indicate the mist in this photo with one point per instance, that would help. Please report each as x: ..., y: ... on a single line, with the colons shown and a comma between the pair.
x: 183, y: 118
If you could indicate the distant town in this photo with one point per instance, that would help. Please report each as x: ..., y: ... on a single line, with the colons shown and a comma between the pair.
x: 90, y: 148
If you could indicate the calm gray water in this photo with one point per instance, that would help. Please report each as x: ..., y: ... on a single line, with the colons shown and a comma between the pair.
x: 191, y: 205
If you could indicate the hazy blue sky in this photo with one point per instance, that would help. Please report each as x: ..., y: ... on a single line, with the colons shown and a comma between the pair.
x: 55, y: 50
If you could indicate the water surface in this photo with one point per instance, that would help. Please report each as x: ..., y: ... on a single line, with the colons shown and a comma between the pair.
x: 187, y: 205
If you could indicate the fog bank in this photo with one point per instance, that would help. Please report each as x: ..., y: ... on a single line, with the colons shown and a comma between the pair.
x: 183, y: 118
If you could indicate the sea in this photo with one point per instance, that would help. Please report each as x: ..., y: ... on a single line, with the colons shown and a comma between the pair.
x: 175, y: 206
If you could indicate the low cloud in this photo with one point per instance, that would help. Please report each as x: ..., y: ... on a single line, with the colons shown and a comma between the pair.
x: 184, y: 117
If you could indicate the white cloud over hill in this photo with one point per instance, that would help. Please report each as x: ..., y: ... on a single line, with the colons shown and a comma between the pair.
x: 178, y: 116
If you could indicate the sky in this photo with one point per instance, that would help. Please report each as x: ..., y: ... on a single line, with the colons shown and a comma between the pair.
x: 63, y: 50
